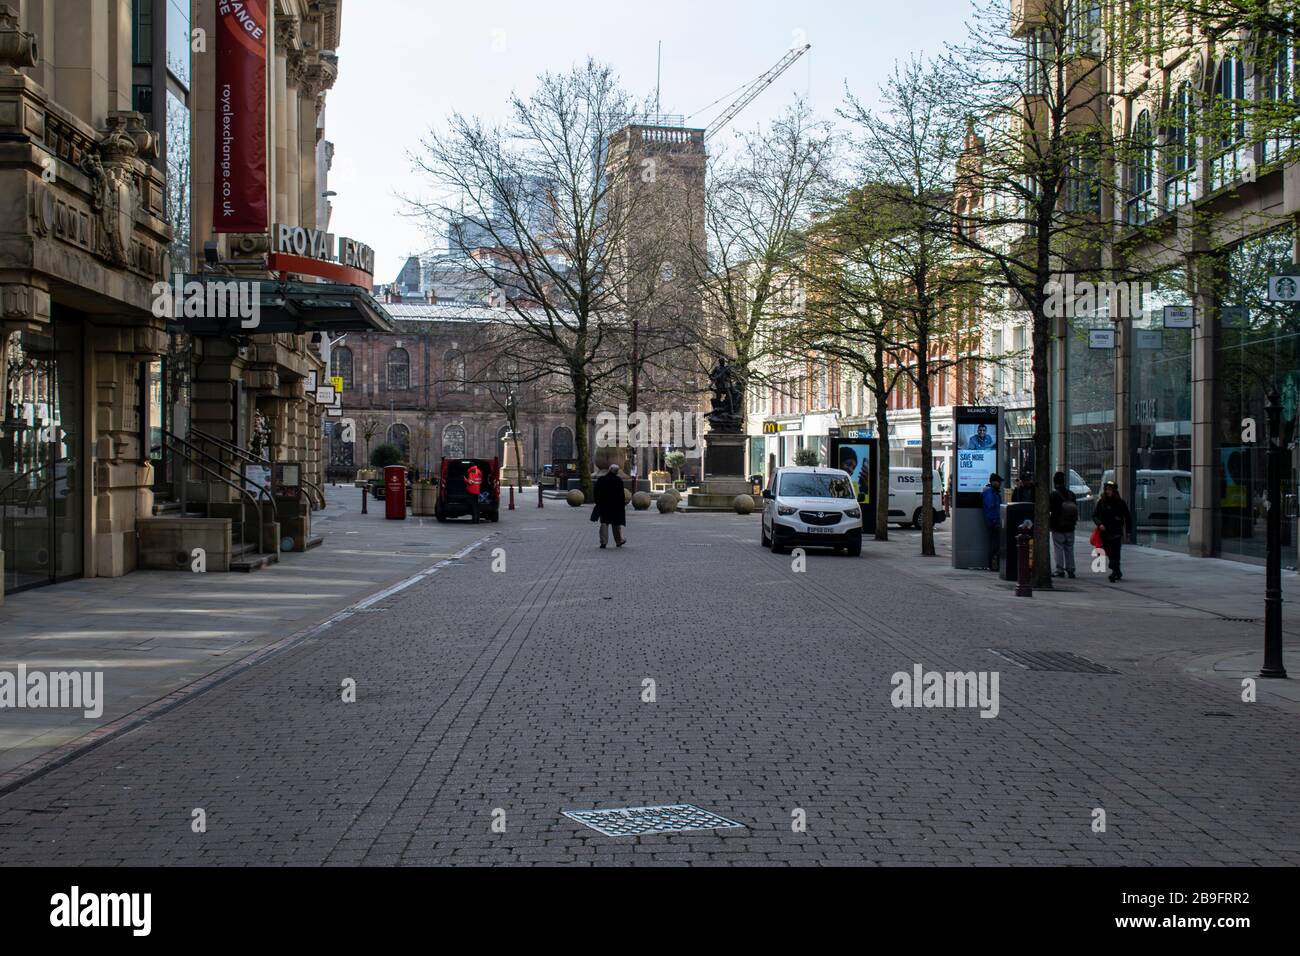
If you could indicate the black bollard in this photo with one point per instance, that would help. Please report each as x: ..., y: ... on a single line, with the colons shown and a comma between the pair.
x: 1024, y: 542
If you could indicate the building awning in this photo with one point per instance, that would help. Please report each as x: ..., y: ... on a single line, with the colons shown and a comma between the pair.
x: 228, y: 305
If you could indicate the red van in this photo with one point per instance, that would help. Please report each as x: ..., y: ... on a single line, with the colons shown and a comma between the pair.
x: 455, y: 498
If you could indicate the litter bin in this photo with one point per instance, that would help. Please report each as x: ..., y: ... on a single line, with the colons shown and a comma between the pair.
x: 1012, y: 515
x: 395, y: 492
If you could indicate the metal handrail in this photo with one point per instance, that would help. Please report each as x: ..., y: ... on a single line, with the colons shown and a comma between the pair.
x: 262, y: 490
x: 240, y: 489
x: 248, y: 456
x: 25, y: 475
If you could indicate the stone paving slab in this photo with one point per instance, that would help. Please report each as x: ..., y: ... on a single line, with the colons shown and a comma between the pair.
x: 152, y: 632
x: 506, y: 696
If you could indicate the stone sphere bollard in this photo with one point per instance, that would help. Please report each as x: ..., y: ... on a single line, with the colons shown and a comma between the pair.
x: 667, y: 503
x: 641, y: 500
x: 575, y: 498
x: 743, y: 504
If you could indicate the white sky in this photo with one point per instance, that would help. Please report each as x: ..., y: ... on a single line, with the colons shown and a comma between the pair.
x: 404, y: 65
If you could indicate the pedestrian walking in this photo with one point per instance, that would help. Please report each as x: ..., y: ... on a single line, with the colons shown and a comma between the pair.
x: 610, y: 506
x: 1112, y: 517
x: 1062, y: 517
x: 991, y: 498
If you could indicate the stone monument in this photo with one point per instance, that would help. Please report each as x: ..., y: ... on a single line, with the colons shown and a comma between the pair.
x: 724, y: 445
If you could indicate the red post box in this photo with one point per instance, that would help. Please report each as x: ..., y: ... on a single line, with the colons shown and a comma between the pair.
x: 395, y: 492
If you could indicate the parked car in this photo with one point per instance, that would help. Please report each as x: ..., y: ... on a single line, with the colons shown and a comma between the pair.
x: 905, y: 497
x: 455, y: 500
x: 811, y: 506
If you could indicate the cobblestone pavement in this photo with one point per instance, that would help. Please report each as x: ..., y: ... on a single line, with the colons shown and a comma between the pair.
x: 514, y: 695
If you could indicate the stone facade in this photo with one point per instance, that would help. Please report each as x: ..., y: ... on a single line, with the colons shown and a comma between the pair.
x: 431, y: 382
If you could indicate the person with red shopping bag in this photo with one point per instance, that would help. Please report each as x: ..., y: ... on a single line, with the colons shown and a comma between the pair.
x: 1112, y: 518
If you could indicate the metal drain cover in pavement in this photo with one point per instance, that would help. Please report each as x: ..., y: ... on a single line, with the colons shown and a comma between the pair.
x: 1052, y: 661
x: 637, y: 821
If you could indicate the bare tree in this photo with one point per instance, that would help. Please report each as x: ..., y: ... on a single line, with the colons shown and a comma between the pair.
x: 1034, y: 99
x: 844, y: 318
x: 920, y: 282
x: 756, y: 205
x: 562, y: 221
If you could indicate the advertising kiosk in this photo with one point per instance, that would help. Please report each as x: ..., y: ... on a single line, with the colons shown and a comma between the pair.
x: 976, y: 444
x: 857, y: 456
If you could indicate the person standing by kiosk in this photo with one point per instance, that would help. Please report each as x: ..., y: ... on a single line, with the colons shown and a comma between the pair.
x: 991, y: 499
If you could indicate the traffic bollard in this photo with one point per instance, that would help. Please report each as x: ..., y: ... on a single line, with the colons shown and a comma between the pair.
x: 365, y: 495
x: 512, y: 498
x: 539, y: 493
x: 1024, y: 542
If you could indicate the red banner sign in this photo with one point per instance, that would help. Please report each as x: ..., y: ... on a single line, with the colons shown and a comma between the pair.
x: 239, y: 195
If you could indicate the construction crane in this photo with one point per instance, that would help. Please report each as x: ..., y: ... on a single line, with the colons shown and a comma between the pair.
x: 758, y: 86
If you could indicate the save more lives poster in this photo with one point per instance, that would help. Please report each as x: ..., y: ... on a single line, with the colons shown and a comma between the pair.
x: 977, y: 455
x: 239, y: 194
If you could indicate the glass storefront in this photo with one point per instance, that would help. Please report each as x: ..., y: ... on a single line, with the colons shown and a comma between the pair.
x: 1160, y: 431
x: 1090, y: 370
x: 41, y: 471
x: 1258, y: 349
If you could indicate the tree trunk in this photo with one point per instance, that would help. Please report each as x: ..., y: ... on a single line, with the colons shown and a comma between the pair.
x: 581, y: 405
x: 881, y: 396
x: 927, y: 454
x: 1042, y: 452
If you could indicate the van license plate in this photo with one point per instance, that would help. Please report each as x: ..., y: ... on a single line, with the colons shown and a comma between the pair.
x: 816, y: 530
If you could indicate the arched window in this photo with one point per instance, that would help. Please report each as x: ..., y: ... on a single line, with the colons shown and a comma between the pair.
x: 1141, y: 169
x: 453, y: 363
x: 399, y: 370
x: 453, y: 441
x: 400, y: 435
x: 1228, y: 120
x: 561, y: 443
x: 1280, y: 86
x: 1180, y: 147
x: 341, y: 366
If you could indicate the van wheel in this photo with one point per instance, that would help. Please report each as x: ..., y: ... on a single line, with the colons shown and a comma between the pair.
x: 763, y: 533
x: 854, y: 549
x: 918, y: 519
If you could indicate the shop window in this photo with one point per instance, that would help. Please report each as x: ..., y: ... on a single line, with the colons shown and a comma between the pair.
x: 1258, y: 348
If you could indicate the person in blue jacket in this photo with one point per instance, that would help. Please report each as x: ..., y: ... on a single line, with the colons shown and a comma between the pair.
x: 991, y: 498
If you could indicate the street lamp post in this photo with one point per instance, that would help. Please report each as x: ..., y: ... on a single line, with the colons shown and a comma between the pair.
x: 1273, y: 581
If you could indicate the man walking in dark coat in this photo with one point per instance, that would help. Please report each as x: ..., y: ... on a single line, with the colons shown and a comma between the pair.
x: 610, y: 506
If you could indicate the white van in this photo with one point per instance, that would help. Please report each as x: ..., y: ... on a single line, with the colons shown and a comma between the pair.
x: 905, y: 499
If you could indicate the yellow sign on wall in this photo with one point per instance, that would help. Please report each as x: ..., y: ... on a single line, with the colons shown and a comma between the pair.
x: 337, y: 382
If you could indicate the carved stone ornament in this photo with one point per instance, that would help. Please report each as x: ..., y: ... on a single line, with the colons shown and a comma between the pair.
x: 18, y: 50
x: 111, y: 168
